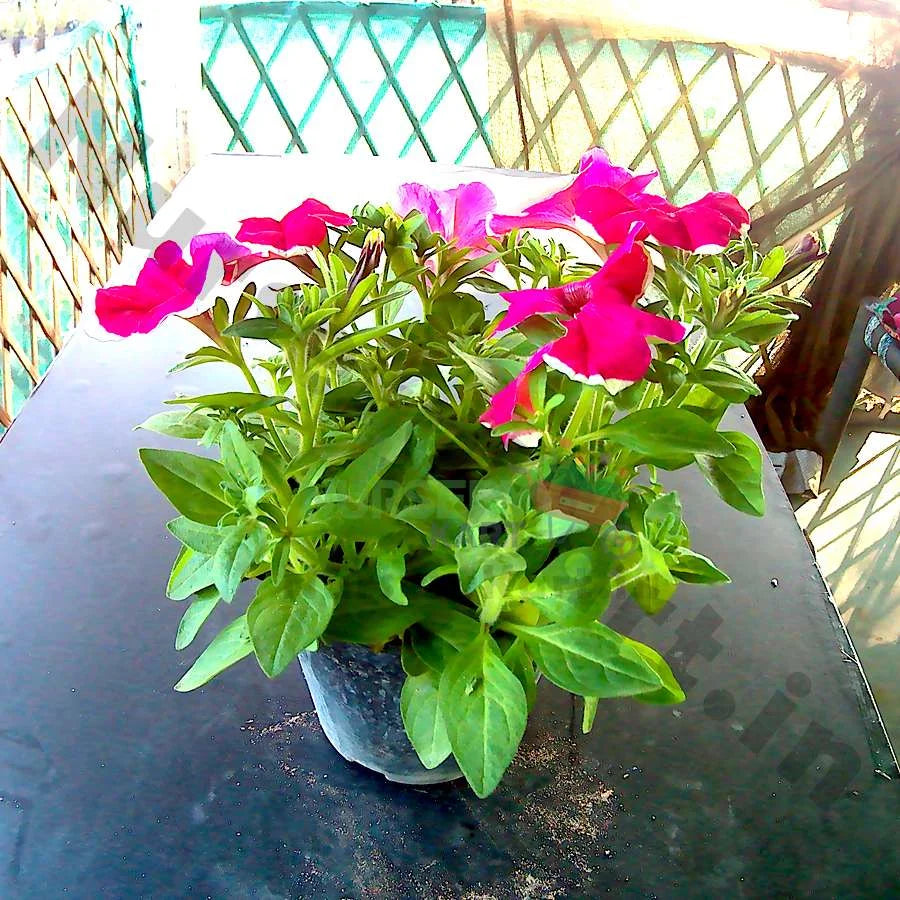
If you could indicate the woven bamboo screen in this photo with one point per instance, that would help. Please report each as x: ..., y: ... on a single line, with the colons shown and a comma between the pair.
x: 706, y: 116
x: 72, y: 193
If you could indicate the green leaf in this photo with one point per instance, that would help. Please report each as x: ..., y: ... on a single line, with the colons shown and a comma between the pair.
x: 241, y: 544
x: 773, y: 263
x: 551, y: 526
x: 284, y: 619
x: 440, y: 515
x: 351, y: 342
x: 485, y: 562
x: 423, y: 720
x: 229, y: 646
x: 726, y: 382
x: 430, y: 649
x: 191, y: 483
x: 414, y: 463
x: 591, y: 660
x: 365, y: 616
x: 503, y: 495
x: 281, y: 555
x: 485, y: 710
x: 492, y: 374
x: 238, y: 457
x: 191, y: 572
x: 361, y: 476
x: 663, y: 521
x: 204, y: 539
x: 202, y: 357
x: 693, y: 568
x: 438, y: 572
x: 456, y: 314
x: 412, y: 662
x: 246, y: 401
x: 178, y: 424
x: 448, y: 621
x: 520, y: 664
x: 759, y: 327
x: 347, y: 398
x: 266, y: 329
x: 666, y: 431
x: 670, y: 690
x: 737, y: 478
x: 391, y: 569
x: 574, y: 588
x: 350, y: 521
x: 646, y: 576
x: 194, y: 617
x: 488, y: 285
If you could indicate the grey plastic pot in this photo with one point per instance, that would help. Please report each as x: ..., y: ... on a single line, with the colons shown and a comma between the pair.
x: 356, y: 692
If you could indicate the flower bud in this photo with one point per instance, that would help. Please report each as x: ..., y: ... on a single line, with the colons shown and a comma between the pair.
x: 369, y: 258
x: 806, y: 252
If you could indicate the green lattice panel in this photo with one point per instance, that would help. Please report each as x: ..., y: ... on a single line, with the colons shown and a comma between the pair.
x: 383, y: 79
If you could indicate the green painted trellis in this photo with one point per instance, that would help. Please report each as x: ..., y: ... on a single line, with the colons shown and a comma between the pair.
x: 707, y: 117
x: 391, y: 78
x: 72, y: 194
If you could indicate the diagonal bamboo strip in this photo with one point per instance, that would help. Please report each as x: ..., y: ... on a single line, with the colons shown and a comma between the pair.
x: 720, y: 128
x: 120, y: 152
x: 112, y: 243
x: 113, y: 193
x: 34, y: 311
x: 776, y: 141
x: 58, y: 195
x: 37, y: 225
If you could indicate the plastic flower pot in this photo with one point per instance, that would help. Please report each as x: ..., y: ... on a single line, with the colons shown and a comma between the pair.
x: 356, y: 692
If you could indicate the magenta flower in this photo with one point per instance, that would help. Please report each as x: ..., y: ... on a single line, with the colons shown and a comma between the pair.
x: 559, y: 209
x: 704, y: 226
x: 305, y: 226
x: 613, y: 200
x: 166, y: 284
x: 459, y: 214
x: 607, y: 339
x: 890, y: 316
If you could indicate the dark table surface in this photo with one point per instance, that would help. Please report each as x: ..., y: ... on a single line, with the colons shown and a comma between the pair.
x: 775, y: 778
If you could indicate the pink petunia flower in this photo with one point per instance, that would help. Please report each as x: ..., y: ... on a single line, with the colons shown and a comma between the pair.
x: 459, y: 214
x: 705, y: 226
x: 558, y: 210
x: 305, y: 226
x: 612, y: 200
x: 167, y: 284
x: 607, y: 339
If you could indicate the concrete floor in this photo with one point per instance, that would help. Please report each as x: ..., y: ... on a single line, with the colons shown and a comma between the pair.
x: 855, y: 528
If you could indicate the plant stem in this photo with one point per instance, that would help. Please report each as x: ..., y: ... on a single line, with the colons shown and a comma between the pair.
x: 254, y: 386
x: 582, y: 409
x: 473, y: 453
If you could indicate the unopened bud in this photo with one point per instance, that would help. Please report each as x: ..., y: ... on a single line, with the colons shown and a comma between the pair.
x: 806, y: 252
x: 369, y: 258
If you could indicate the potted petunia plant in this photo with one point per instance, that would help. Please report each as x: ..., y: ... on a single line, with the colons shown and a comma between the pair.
x: 449, y: 451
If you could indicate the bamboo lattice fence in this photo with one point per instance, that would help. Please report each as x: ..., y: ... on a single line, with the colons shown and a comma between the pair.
x: 72, y: 193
